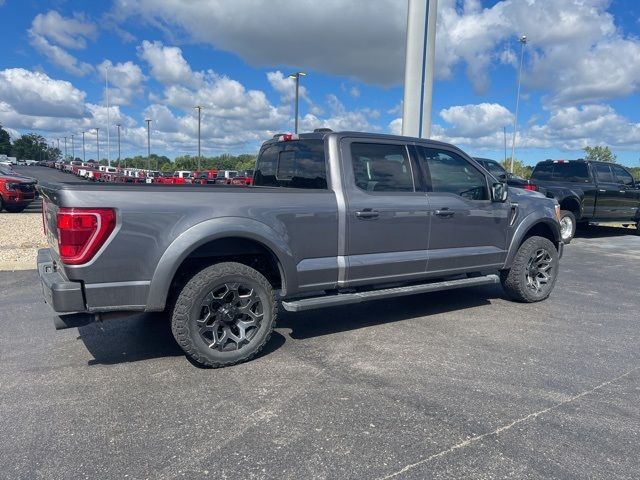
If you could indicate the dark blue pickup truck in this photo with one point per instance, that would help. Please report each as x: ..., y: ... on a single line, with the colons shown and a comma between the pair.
x: 333, y: 218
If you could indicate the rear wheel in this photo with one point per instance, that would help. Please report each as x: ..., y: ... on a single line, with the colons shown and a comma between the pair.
x: 567, y: 225
x: 14, y: 209
x: 224, y: 315
x: 533, y: 274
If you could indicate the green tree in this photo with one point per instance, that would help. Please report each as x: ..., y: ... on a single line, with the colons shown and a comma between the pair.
x: 519, y: 168
x: 599, y: 154
x: 30, y: 146
x: 5, y: 142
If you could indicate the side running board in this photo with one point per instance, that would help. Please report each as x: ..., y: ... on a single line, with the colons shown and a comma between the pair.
x: 350, y: 298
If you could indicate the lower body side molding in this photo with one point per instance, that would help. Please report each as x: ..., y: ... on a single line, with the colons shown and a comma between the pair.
x: 350, y: 298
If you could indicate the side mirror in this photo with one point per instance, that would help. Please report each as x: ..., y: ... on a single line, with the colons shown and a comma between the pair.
x: 499, y: 192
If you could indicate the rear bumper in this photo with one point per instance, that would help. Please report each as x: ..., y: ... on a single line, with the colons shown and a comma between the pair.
x: 63, y: 295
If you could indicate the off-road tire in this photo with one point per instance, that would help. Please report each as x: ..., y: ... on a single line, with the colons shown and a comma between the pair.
x: 567, y: 216
x: 188, y: 308
x: 514, y: 280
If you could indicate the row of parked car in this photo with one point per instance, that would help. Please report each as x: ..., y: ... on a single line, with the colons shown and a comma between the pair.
x: 102, y: 173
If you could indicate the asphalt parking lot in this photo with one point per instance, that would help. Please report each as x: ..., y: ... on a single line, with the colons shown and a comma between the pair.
x: 461, y: 384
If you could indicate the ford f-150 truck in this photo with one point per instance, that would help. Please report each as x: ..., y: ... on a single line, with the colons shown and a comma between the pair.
x: 16, y: 191
x: 333, y: 219
x: 589, y: 191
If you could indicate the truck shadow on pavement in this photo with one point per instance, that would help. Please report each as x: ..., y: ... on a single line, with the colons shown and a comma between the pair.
x: 148, y: 336
x: 601, y: 231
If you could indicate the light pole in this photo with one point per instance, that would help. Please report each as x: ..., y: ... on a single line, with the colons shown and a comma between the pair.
x: 523, y: 42
x: 148, y: 120
x: 98, y: 144
x: 199, y: 108
x: 73, y: 148
x: 297, y: 76
x: 118, y: 125
x: 84, y: 156
x: 66, y: 158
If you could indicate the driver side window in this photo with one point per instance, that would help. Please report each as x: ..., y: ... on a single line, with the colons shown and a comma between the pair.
x: 450, y: 173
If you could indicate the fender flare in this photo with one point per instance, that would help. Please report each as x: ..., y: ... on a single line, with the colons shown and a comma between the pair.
x: 206, y: 232
x: 530, y: 221
x: 561, y: 194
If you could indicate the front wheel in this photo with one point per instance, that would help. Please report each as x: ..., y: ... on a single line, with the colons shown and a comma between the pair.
x: 224, y: 315
x: 533, y: 274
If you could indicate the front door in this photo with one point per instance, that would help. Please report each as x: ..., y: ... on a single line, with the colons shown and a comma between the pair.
x: 468, y: 231
x: 387, y: 222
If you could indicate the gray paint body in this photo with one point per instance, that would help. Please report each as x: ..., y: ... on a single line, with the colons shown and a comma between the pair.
x: 318, y: 241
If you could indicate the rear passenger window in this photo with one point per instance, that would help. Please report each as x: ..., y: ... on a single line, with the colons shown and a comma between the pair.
x: 381, y: 167
x: 623, y: 176
x: 450, y: 173
x: 603, y: 172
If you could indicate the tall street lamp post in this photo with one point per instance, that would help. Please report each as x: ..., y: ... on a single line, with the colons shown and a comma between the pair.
x: 118, y: 125
x: 148, y: 120
x: 199, y: 108
x: 523, y: 42
x: 73, y: 147
x: 84, y: 156
x: 98, y: 144
x: 297, y: 76
x: 65, y: 149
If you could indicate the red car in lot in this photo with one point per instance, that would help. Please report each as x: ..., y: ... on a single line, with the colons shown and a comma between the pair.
x: 16, y: 191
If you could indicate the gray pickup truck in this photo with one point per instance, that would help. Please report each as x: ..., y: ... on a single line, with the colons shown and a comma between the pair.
x: 333, y: 219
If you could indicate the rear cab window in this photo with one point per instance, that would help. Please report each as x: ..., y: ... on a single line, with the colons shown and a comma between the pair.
x: 292, y: 164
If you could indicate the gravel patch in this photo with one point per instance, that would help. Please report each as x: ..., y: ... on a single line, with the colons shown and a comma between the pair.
x: 21, y: 236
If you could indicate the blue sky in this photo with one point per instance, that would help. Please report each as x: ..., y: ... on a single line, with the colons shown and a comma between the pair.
x: 580, y: 81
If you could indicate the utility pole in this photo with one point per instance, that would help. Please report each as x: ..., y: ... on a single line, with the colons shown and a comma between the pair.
x: 106, y: 84
x: 523, y: 42
x: 148, y: 120
x: 84, y: 156
x: 504, y: 135
x: 419, y: 67
x: 73, y: 147
x: 65, y: 149
x: 297, y: 76
x: 119, y: 160
x: 98, y: 143
x: 199, y: 108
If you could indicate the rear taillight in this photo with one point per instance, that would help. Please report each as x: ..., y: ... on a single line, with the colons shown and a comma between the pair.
x: 82, y: 232
x: 530, y: 186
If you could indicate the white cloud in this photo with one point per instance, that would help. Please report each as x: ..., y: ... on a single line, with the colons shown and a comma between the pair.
x: 286, y: 87
x: 125, y: 80
x: 341, y: 119
x: 36, y: 94
x: 51, y: 33
x: 476, y: 120
x: 167, y: 64
x: 60, y: 57
x: 63, y: 31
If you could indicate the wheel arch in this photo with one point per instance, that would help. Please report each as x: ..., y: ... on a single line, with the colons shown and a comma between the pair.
x: 533, y: 225
x: 219, y: 240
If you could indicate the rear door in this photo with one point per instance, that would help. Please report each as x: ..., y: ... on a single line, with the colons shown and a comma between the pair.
x: 468, y: 231
x: 387, y: 212
x: 629, y: 194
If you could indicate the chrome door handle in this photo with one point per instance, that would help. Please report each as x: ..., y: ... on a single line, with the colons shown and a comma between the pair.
x: 367, y: 213
x: 602, y: 191
x: 445, y: 212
